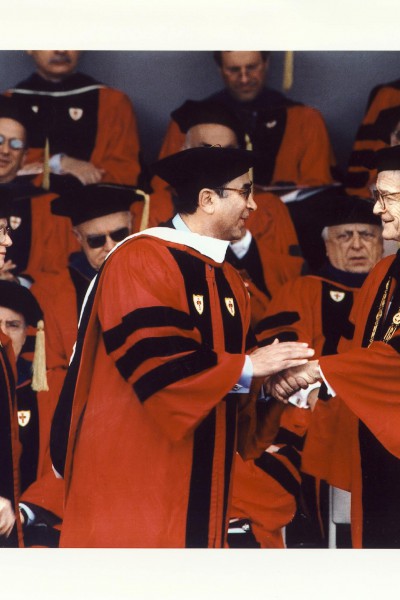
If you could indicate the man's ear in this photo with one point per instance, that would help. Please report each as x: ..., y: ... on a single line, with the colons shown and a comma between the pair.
x: 77, y: 235
x: 207, y: 200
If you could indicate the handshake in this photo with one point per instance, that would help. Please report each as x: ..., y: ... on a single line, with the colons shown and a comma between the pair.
x: 286, y: 368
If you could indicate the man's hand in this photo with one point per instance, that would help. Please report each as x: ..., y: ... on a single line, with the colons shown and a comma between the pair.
x: 33, y: 168
x: 85, y: 171
x: 7, y: 517
x: 283, y: 385
x: 5, y: 271
x: 279, y: 356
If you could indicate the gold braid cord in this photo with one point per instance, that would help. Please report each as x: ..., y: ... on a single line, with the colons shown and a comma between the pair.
x: 393, y: 327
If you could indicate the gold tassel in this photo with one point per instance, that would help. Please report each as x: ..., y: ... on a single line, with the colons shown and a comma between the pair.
x: 288, y: 71
x: 249, y: 146
x: 144, y: 223
x: 39, y: 379
x: 46, y: 166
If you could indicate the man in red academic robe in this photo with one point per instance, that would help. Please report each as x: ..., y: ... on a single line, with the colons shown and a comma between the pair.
x: 354, y: 441
x: 160, y: 372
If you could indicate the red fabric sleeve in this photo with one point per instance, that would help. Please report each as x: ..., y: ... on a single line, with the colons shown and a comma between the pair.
x: 368, y: 381
x: 150, y: 279
x: 117, y: 142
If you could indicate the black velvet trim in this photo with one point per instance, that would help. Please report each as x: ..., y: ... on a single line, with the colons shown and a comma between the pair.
x: 7, y: 387
x: 251, y: 264
x: 291, y: 454
x: 251, y: 340
x: 274, y: 468
x: 394, y: 268
x: 380, y: 492
x: 335, y: 317
x: 233, y: 329
x: 81, y: 285
x: 280, y: 319
x: 362, y: 158
x: 395, y: 343
x: 323, y: 393
x: 285, y: 436
x: 141, y: 318
x: 53, y: 116
x: 28, y: 436
x: 174, y: 371
x: 151, y: 348
x: 193, y: 271
x: 62, y: 414
x: 198, y: 511
x: 41, y: 536
x: 231, y: 419
x: 367, y: 132
x: 20, y: 250
x: 357, y: 179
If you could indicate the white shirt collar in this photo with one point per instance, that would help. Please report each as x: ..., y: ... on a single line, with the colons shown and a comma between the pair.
x: 211, y: 247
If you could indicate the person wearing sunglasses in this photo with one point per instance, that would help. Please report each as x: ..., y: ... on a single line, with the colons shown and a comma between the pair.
x: 100, y: 218
x: 42, y: 242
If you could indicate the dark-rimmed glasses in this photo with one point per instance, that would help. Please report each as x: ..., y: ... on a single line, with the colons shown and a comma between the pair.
x: 14, y: 143
x: 4, y: 232
x: 97, y: 241
x: 381, y: 198
x: 246, y: 193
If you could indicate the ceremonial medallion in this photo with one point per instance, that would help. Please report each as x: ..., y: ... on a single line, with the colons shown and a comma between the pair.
x: 396, y: 318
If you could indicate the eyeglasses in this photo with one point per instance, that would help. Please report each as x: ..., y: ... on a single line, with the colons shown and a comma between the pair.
x: 14, y: 143
x: 97, y: 241
x: 4, y: 232
x: 246, y: 193
x: 383, y: 198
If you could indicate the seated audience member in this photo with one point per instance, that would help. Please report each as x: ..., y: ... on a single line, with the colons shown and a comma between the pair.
x: 89, y: 128
x: 20, y: 317
x: 207, y: 123
x: 372, y: 135
x: 268, y: 254
x: 353, y: 438
x: 10, y: 524
x: 291, y: 137
x: 314, y: 309
x: 41, y: 242
x: 100, y: 219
